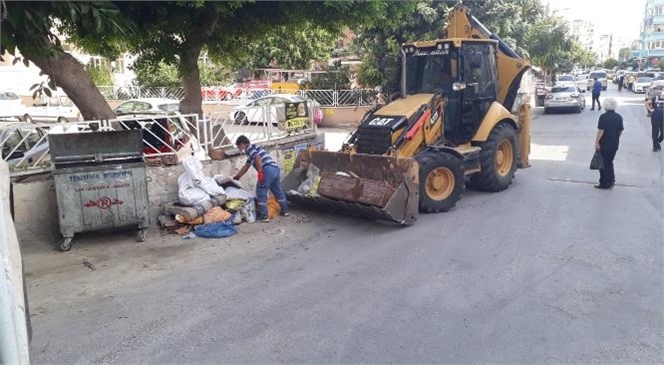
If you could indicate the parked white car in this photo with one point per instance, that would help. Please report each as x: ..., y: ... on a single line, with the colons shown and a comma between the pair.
x: 642, y: 85
x: 253, y: 111
x: 147, y: 106
x: 58, y: 108
x: 11, y: 106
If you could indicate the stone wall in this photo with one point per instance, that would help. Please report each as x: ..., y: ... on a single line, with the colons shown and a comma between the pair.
x: 35, y: 204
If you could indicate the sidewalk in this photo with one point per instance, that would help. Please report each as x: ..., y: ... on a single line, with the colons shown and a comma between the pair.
x: 100, y: 262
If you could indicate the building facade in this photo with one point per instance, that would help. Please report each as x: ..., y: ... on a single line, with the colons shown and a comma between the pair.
x: 652, y: 30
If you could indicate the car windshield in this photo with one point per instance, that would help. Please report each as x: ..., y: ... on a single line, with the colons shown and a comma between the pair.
x: 8, y: 96
x: 566, y: 78
x: 563, y: 89
x: 173, y: 107
x: 431, y: 71
x: 644, y: 80
x: 599, y: 75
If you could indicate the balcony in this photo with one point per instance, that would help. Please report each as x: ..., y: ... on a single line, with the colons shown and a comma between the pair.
x: 659, y: 52
x: 658, y: 19
x: 655, y: 36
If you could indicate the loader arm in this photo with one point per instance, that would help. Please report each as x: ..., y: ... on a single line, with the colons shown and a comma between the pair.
x: 511, y: 67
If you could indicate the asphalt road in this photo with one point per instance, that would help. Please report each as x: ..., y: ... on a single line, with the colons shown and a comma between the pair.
x: 549, y: 271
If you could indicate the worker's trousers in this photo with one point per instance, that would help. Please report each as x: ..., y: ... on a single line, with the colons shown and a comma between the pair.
x: 657, y: 133
x: 272, y: 182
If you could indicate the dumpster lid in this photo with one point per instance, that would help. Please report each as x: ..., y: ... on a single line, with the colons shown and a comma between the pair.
x: 96, y: 146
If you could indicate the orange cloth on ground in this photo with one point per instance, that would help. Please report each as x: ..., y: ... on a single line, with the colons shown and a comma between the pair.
x: 273, y: 207
x: 213, y: 215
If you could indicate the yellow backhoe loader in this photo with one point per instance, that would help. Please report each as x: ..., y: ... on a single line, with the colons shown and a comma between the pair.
x: 452, y: 123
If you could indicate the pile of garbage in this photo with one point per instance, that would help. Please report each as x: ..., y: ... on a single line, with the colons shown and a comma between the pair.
x: 209, y: 207
x: 309, y: 186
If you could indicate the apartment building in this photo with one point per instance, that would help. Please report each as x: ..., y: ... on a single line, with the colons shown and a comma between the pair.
x: 652, y: 31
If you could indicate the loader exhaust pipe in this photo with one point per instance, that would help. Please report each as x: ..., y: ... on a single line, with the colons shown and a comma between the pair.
x: 403, y: 73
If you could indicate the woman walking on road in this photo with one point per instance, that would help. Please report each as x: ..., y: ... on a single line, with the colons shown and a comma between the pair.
x: 609, y: 129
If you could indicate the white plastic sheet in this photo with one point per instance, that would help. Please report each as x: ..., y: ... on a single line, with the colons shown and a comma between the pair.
x: 194, y: 187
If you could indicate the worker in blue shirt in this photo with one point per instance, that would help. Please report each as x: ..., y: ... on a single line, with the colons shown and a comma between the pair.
x: 597, y: 89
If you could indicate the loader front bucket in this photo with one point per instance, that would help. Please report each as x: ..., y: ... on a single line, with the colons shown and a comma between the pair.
x: 367, y: 186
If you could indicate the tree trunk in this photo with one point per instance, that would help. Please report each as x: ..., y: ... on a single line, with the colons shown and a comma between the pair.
x: 192, y: 103
x: 70, y: 75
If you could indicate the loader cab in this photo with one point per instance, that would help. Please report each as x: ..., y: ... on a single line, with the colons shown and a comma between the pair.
x: 464, y: 72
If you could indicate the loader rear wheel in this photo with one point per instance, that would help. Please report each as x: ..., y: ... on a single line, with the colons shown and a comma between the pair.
x: 441, y: 181
x: 497, y: 159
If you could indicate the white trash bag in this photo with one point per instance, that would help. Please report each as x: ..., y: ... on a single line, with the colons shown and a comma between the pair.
x: 194, y: 188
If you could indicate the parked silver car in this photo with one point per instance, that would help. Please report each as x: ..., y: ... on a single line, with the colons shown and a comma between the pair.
x: 565, y: 98
x: 23, y: 144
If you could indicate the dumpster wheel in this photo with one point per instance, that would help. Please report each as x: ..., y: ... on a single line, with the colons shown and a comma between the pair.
x: 65, y: 245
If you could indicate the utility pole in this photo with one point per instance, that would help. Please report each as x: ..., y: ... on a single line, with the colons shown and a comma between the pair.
x: 610, y: 44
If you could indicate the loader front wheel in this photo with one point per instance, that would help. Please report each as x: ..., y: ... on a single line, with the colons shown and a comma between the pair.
x: 498, y: 160
x: 441, y: 181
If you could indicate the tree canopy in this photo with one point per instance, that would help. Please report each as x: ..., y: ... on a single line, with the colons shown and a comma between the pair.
x: 527, y: 26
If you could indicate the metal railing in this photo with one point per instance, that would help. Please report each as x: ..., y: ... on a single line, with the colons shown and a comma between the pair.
x: 259, y: 124
x: 166, y: 138
x: 217, y: 94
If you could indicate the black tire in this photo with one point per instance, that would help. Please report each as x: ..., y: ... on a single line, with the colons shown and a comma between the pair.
x: 63, y: 120
x: 546, y: 111
x: 27, y: 118
x: 490, y: 178
x: 240, y: 118
x: 604, y: 89
x: 578, y: 109
x: 432, y: 162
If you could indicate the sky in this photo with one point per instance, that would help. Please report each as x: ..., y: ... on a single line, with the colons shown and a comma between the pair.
x: 621, y: 17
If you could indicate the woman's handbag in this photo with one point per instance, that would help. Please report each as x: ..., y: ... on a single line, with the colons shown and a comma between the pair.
x: 597, y: 163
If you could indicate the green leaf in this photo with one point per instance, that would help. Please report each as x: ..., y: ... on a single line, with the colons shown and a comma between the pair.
x: 26, y: 62
x: 51, y: 84
x: 35, y: 94
x: 34, y: 87
x: 16, y: 60
x: 47, y: 91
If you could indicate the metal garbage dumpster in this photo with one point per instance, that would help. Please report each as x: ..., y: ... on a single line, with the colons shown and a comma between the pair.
x: 100, y: 182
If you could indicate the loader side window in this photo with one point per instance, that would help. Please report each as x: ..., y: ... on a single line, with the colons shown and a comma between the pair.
x: 479, y: 67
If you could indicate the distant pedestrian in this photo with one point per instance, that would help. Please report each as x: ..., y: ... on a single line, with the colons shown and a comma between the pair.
x: 656, y: 108
x: 621, y: 80
x: 269, y: 177
x: 609, y: 129
x: 597, y: 90
x: 631, y: 79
